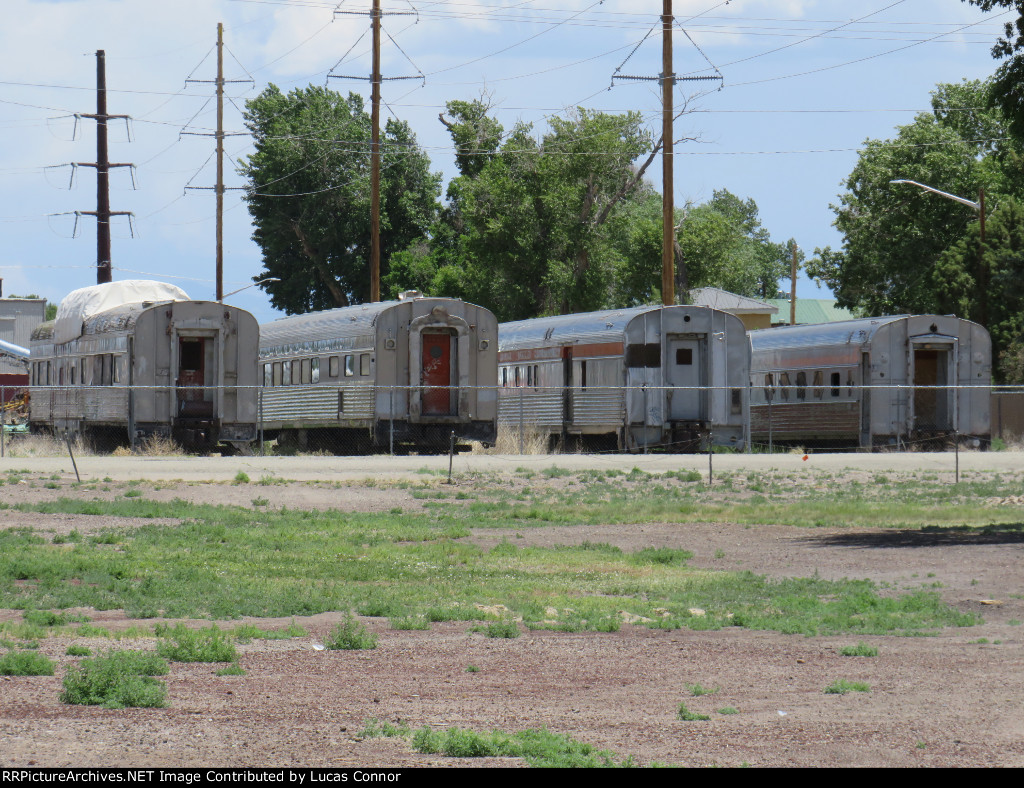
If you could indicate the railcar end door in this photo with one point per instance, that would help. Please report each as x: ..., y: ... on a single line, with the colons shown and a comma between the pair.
x: 437, y: 373
x: 931, y: 374
x: 684, y: 375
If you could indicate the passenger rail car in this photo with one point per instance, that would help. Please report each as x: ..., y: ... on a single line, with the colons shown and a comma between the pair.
x: 884, y: 381
x: 128, y: 360
x: 399, y: 374
x: 629, y: 379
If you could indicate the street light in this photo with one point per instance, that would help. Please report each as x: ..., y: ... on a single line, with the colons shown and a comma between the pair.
x: 979, y: 206
x: 260, y: 282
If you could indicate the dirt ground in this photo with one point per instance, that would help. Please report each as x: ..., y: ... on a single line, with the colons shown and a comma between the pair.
x: 956, y: 699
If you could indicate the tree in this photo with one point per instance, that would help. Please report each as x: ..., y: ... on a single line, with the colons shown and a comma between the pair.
x: 1008, y: 83
x: 971, y: 273
x: 309, y: 195
x: 894, y: 234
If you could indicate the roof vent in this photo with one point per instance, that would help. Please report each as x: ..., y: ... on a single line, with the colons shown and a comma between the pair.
x: 408, y: 295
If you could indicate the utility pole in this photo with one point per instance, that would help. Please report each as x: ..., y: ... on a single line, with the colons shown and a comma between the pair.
x: 375, y: 157
x: 792, y: 289
x: 668, y: 231
x: 102, y: 165
x: 375, y: 82
x: 219, y: 135
x: 668, y: 81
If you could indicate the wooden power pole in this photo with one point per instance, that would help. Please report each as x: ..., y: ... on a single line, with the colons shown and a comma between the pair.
x: 668, y: 231
x: 375, y: 157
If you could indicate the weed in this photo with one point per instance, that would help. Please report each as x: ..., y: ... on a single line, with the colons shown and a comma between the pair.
x: 241, y: 478
x: 686, y: 715
x: 842, y: 686
x: 921, y: 745
x: 234, y: 669
x: 860, y: 650
x: 117, y: 680
x: 719, y: 554
x: 472, y: 669
x: 350, y: 635
x: 728, y: 710
x: 377, y: 729
x: 696, y: 690
x: 47, y: 618
x: 182, y: 644
x: 410, y: 622
x: 133, y: 493
x: 540, y: 747
x: 25, y: 663
x: 260, y: 501
x: 78, y: 651
x: 502, y: 629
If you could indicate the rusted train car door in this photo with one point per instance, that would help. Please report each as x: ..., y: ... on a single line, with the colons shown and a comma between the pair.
x: 437, y: 373
x: 932, y: 403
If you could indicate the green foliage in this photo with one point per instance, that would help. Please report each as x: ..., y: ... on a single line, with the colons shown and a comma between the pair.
x: 182, y: 644
x: 241, y: 478
x: 895, y: 234
x: 116, y: 680
x: 78, y: 651
x: 540, y: 747
x: 842, y: 686
x: 726, y: 710
x: 860, y: 650
x: 350, y: 635
x: 25, y: 663
x: 502, y: 629
x: 377, y: 729
x: 317, y: 240
x: 686, y: 715
x: 234, y: 669
x: 698, y: 690
x: 48, y: 618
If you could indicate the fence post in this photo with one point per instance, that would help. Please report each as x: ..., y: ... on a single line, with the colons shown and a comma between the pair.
x: 259, y: 401
x: 391, y: 421
x: 3, y: 421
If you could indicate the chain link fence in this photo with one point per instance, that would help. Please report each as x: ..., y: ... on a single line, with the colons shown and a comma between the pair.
x: 354, y: 420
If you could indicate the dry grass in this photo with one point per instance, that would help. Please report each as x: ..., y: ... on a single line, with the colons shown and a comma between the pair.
x: 44, y: 446
x: 153, y: 446
x: 534, y: 441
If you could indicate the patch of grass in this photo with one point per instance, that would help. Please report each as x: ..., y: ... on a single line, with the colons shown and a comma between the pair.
x: 686, y: 715
x: 350, y: 635
x: 234, y: 669
x: 860, y: 650
x: 410, y: 622
x: 25, y: 663
x: 182, y: 644
x: 241, y: 478
x: 117, y: 680
x: 49, y: 618
x: 260, y: 501
x: 502, y: 629
x: 842, y: 686
x: 728, y: 710
x: 539, y: 747
x: 378, y: 729
x: 696, y: 690
x: 76, y: 650
x: 472, y: 669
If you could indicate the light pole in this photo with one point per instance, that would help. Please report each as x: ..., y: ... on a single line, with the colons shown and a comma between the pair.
x: 979, y: 206
x: 260, y: 282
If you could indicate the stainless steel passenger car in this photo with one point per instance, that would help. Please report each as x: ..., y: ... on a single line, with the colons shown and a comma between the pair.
x: 389, y: 375
x: 884, y: 381
x: 629, y: 379
x: 179, y: 369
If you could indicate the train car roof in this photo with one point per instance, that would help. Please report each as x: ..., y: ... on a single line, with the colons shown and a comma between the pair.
x: 345, y: 321
x: 605, y: 325
x: 80, y: 305
x: 843, y: 332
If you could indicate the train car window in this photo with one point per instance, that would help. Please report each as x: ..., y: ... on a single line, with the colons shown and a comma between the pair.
x: 504, y: 377
x: 305, y: 371
x: 834, y: 380
x: 47, y: 373
x: 332, y: 367
x: 117, y: 363
x: 784, y: 385
x: 849, y: 384
x: 350, y: 366
x: 819, y: 382
x: 529, y: 376
x: 769, y: 386
x: 517, y: 377
x: 364, y: 364
x: 801, y: 385
x: 83, y: 370
x: 316, y: 370
x: 286, y: 373
x: 736, y: 406
x: 536, y: 376
x: 648, y: 355
x: 74, y: 370
x: 268, y: 375
x: 684, y: 356
x: 108, y: 373
x: 583, y: 375
x: 278, y: 373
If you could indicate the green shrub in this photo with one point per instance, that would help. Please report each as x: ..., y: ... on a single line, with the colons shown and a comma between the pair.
x: 686, y: 715
x: 502, y: 629
x: 117, y: 680
x: 860, y: 650
x: 25, y: 663
x: 78, y: 651
x: 234, y: 669
x: 842, y: 686
x: 350, y: 635
x: 182, y: 644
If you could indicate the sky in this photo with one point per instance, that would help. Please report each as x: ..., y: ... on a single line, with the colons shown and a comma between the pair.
x: 803, y: 84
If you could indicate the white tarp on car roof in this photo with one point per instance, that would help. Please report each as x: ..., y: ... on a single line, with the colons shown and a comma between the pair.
x: 87, y: 301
